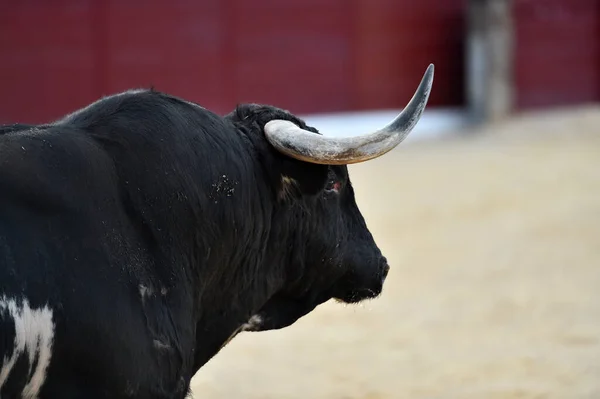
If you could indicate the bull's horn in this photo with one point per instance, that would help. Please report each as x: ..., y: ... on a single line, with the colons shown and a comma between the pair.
x: 307, y: 146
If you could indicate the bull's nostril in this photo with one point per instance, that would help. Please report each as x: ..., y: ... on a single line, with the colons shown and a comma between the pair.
x: 385, y: 271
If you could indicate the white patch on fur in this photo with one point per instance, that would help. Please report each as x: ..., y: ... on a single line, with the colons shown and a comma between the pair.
x: 160, y: 345
x: 145, y: 292
x: 34, y: 333
x: 253, y: 322
x: 287, y: 186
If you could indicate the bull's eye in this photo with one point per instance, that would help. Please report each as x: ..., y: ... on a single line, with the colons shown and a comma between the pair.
x: 333, y: 186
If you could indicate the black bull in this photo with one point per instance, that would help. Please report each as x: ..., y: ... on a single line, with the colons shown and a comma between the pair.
x: 138, y: 235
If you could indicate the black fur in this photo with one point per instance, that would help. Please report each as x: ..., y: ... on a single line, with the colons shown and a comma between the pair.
x: 143, y: 191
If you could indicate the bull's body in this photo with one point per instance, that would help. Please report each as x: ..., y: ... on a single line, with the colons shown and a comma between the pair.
x: 99, y: 220
x: 141, y: 233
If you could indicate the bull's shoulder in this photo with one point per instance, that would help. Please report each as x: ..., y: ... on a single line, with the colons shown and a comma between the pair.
x: 50, y: 166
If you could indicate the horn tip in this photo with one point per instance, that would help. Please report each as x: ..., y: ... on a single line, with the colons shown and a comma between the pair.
x: 430, y: 70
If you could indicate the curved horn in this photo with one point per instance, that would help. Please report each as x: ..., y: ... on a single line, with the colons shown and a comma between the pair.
x: 307, y: 146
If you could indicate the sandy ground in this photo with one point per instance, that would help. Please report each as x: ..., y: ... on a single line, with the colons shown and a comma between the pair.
x: 494, y: 242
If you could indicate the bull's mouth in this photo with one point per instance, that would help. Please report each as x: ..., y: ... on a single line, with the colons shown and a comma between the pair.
x: 358, y: 295
x: 351, y: 291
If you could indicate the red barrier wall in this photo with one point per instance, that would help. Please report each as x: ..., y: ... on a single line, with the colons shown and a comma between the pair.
x: 303, y: 55
x: 557, y: 52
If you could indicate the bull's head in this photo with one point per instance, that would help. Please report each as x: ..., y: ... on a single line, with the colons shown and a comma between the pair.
x: 325, y: 244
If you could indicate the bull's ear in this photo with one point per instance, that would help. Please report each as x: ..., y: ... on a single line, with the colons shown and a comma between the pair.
x: 302, y: 178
